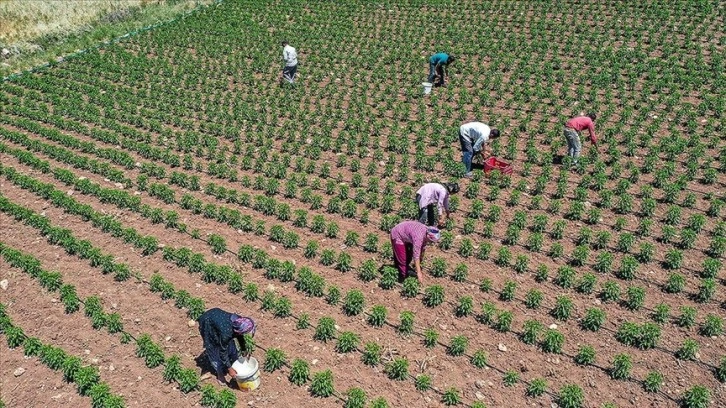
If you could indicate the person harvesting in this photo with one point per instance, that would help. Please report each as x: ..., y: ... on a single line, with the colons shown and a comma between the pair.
x: 473, y: 137
x: 289, y: 55
x: 572, y: 135
x: 438, y: 64
x: 434, y: 194
x: 219, y: 329
x: 409, y: 239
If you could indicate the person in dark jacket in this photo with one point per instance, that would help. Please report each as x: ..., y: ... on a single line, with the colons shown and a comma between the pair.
x: 219, y: 329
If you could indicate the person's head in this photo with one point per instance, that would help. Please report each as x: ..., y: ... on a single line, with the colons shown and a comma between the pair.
x: 242, y: 325
x: 433, y: 235
x: 451, y: 59
x: 494, y: 133
x: 284, y: 43
x: 592, y: 116
x: 452, y: 188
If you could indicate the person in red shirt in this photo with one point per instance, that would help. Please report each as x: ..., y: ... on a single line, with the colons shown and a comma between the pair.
x: 572, y: 135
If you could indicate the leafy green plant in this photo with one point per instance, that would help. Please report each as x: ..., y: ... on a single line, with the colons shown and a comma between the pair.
x: 571, y: 396
x: 275, y: 359
x: 653, y: 381
x: 371, y: 354
x: 299, y: 372
x: 347, y: 342
x: 537, y: 387
x: 511, y: 378
x: 697, y: 396
x: 325, y: 329
x: 405, y: 328
x: 433, y: 296
x: 321, y: 384
x: 552, y: 341
x: 585, y: 355
x: 397, y: 369
x: 355, y: 398
x: 711, y: 326
x: 458, y: 345
x: 451, y: 397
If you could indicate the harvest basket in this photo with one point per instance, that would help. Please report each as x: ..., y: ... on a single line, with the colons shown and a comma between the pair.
x: 493, y: 163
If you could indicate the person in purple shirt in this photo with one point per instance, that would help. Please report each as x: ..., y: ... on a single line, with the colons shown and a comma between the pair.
x: 434, y: 194
x: 409, y: 239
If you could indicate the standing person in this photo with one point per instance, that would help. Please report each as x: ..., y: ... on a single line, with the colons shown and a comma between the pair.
x: 572, y: 135
x: 437, y: 66
x: 473, y: 137
x: 431, y: 194
x: 289, y: 55
x: 219, y: 329
x: 409, y: 239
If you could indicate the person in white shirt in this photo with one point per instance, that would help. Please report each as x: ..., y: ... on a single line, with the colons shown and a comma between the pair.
x: 289, y: 55
x: 473, y: 137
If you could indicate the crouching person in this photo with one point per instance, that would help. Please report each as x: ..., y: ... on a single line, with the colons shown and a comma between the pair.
x: 219, y: 329
x: 409, y: 239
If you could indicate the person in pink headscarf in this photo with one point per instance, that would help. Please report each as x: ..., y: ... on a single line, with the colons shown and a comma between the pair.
x: 219, y: 329
x: 409, y: 239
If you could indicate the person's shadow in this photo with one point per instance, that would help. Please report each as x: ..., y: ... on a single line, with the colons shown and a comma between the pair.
x: 205, y: 366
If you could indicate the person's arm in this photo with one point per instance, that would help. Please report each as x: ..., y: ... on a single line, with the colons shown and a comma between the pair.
x: 479, y: 142
x: 591, y: 129
x: 417, y: 265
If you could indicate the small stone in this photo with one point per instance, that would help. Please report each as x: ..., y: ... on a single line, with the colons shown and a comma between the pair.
x: 191, y: 323
x: 19, y: 371
x: 251, y: 403
x: 82, y: 178
x: 53, y: 300
x: 5, y: 53
x: 137, y: 321
x: 118, y: 185
x: 598, y: 301
x: 167, y: 338
x: 427, y: 399
x: 137, y: 164
x: 479, y: 396
x: 501, y: 347
x: 553, y: 326
x: 86, y: 351
x: 114, y: 305
x: 337, y: 327
x: 95, y: 361
x: 480, y: 384
x: 315, y: 361
x: 70, y: 192
x: 273, y: 247
x: 111, y: 367
x: 137, y: 193
x: 4, y: 284
x: 316, y: 348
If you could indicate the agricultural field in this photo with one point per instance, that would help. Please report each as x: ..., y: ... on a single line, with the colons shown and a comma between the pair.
x: 148, y: 180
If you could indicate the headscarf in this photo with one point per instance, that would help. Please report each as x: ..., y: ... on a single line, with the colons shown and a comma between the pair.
x: 242, y: 325
x: 433, y: 234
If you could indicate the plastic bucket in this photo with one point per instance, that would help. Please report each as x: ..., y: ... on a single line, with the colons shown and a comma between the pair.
x: 248, y: 374
x: 427, y: 87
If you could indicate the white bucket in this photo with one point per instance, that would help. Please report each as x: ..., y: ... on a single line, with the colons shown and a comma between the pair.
x: 427, y: 87
x: 248, y: 373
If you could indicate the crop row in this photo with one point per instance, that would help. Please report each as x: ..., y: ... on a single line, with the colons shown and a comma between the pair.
x: 499, y: 323
x: 565, y: 277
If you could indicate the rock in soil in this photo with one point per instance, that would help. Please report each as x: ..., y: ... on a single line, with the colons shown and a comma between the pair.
x: 4, y: 284
x: 19, y: 371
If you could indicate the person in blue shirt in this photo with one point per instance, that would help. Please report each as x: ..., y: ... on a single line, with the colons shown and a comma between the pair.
x: 437, y: 66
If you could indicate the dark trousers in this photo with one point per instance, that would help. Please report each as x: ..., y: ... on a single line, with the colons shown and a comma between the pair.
x: 467, y: 152
x: 426, y: 215
x: 216, y: 361
x: 436, y: 69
